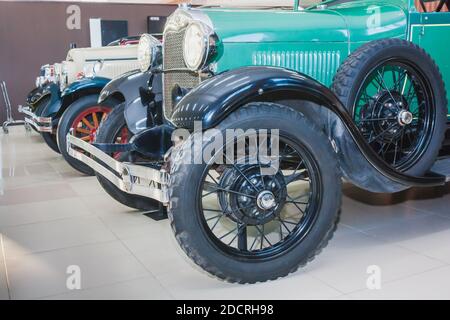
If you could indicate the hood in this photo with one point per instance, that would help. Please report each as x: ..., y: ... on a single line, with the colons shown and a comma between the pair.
x: 337, y: 21
x: 277, y: 25
x: 102, y: 53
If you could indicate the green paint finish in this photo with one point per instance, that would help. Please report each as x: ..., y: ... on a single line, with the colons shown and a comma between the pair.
x: 434, y: 38
x: 255, y: 26
x: 315, y: 60
x: 317, y: 40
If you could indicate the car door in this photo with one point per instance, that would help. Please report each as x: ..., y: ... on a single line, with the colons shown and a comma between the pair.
x: 433, y: 35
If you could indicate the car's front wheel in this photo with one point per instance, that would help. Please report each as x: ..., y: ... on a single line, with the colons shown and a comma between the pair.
x: 83, y: 117
x: 114, y: 129
x: 245, y: 219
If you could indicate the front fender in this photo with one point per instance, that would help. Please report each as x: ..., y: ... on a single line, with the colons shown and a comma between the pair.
x: 129, y: 88
x: 55, y: 101
x: 95, y: 83
x: 148, y: 101
x: 73, y: 92
x: 217, y: 97
x: 35, y: 95
x: 124, y: 85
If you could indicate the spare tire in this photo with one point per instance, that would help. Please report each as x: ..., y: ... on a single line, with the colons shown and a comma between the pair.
x: 395, y: 93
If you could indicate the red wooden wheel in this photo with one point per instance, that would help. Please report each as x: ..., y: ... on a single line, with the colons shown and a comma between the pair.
x: 86, y: 123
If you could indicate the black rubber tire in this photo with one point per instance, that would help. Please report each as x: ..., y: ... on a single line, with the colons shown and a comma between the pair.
x: 65, y: 124
x: 352, y: 72
x: 108, y: 130
x: 39, y: 107
x: 41, y: 104
x: 50, y: 140
x: 186, y: 220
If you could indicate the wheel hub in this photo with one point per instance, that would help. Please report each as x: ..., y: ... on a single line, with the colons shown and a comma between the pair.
x: 391, y: 111
x: 266, y: 200
x: 256, y: 199
x: 405, y: 117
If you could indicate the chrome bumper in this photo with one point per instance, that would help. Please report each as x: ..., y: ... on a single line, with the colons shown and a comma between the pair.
x: 41, y: 124
x: 130, y: 178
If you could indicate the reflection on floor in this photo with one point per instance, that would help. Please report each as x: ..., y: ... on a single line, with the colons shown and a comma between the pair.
x: 52, y: 218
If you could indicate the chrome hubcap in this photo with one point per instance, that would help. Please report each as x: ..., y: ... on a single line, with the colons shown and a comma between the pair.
x: 405, y: 117
x: 266, y: 200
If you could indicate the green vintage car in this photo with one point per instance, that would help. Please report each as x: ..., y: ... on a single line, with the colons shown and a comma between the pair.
x: 312, y: 93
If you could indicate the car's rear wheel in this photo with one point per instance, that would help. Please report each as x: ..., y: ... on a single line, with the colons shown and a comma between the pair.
x: 114, y: 130
x: 242, y: 224
x: 83, y: 117
x: 396, y: 95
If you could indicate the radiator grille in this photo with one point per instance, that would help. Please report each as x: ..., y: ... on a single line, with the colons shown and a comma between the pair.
x: 173, y: 61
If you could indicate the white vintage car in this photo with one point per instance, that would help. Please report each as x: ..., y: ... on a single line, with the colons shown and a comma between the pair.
x: 107, y: 62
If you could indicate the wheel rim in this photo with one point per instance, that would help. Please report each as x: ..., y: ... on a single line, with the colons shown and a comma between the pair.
x: 394, y: 110
x: 86, y: 124
x: 251, y: 216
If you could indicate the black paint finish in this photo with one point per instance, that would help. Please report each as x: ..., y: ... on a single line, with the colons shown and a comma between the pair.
x: 216, y: 98
x: 139, y: 91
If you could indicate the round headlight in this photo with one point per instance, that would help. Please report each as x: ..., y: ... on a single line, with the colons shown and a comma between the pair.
x: 195, y: 47
x: 147, y: 51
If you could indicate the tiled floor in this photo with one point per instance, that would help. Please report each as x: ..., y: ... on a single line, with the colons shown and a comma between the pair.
x: 52, y: 218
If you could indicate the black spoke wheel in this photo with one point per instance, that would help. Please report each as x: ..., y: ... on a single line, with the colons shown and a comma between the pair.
x: 246, y: 220
x: 394, y: 110
x: 395, y: 93
x: 253, y: 215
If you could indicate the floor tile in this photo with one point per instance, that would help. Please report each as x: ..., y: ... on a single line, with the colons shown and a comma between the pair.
x: 344, y: 263
x: 159, y: 252
x: 191, y: 283
x: 45, y: 274
x: 48, y: 210
x: 133, y: 224
x: 103, y: 205
x: 361, y: 215
x: 53, y: 235
x: 37, y: 194
x: 147, y: 288
x: 433, y: 200
x: 87, y: 186
x: 428, y: 236
x: 4, y: 291
x: 433, y: 284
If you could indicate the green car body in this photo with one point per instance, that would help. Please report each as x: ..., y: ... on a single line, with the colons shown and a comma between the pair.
x: 317, y: 40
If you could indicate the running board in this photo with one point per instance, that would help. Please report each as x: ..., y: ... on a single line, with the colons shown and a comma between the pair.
x: 442, y: 168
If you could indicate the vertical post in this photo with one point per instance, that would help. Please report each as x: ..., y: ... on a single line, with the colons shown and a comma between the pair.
x: 296, y: 5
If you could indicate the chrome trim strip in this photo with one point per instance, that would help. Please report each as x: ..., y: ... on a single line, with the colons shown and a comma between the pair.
x: 130, y: 178
x: 41, y: 124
